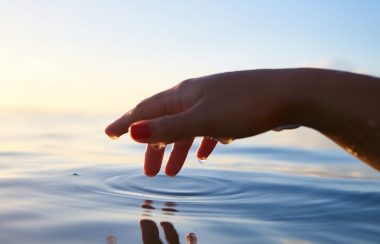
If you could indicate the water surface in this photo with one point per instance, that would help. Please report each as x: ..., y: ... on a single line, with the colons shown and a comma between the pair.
x: 63, y: 181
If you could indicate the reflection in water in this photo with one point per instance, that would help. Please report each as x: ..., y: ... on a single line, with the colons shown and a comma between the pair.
x: 168, y: 209
x: 150, y: 233
x: 93, y: 187
x: 149, y: 229
x: 111, y: 239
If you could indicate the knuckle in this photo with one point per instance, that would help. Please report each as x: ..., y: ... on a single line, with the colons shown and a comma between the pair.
x: 184, y: 84
x: 184, y: 145
x: 180, y: 95
x: 167, y: 127
x: 141, y: 105
x: 187, y: 93
x: 137, y: 113
x: 210, y: 127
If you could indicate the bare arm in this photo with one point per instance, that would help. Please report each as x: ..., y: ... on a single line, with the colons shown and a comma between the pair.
x: 343, y: 106
x: 346, y: 108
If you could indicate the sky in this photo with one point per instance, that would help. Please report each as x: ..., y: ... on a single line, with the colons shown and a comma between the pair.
x: 106, y: 56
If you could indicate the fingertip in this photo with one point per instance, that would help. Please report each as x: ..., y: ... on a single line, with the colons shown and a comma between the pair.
x: 118, y: 127
x: 205, y: 149
x: 191, y: 238
x: 173, y: 167
x: 107, y: 130
x: 171, y: 173
x: 111, y: 133
x: 152, y: 169
x: 150, y: 173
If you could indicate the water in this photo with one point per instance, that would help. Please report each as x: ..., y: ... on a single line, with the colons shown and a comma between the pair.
x: 63, y: 181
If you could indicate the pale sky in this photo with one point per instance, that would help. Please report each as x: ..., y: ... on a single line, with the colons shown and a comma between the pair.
x: 108, y: 55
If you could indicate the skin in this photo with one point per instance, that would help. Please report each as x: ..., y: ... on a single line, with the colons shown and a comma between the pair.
x: 343, y: 106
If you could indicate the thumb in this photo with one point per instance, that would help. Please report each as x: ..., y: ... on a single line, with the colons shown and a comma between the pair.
x: 166, y: 129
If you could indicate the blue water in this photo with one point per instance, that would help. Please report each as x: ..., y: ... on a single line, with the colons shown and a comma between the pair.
x: 63, y: 181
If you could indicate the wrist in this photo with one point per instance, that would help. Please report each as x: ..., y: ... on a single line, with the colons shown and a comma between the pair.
x: 294, y: 97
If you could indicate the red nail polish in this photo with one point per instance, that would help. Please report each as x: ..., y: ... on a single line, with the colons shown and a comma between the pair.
x: 141, y: 131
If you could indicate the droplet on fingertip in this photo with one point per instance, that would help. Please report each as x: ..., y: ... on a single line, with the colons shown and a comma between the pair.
x: 225, y: 140
x: 157, y: 146
x: 202, y: 160
x: 191, y: 238
x: 113, y: 137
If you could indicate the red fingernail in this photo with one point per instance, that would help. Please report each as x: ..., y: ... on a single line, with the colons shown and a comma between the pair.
x: 141, y: 131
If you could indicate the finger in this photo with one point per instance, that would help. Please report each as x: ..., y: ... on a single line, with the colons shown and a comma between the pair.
x: 111, y: 239
x: 169, y: 128
x: 205, y: 149
x: 153, y: 159
x: 148, y: 204
x: 171, y: 234
x: 149, y: 232
x: 167, y: 102
x: 178, y: 156
x: 191, y: 238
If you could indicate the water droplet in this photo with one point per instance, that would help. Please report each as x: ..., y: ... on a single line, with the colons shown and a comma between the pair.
x: 113, y: 137
x: 202, y: 160
x: 225, y: 140
x: 351, y: 151
x: 158, y: 145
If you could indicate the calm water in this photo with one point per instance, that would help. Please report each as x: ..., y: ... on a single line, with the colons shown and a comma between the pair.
x: 63, y: 181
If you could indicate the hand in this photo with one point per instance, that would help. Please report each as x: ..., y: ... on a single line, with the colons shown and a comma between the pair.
x: 341, y: 105
x: 228, y: 105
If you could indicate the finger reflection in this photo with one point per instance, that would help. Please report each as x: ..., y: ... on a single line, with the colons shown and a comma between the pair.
x: 191, y: 238
x: 171, y: 234
x: 169, y: 208
x: 150, y: 231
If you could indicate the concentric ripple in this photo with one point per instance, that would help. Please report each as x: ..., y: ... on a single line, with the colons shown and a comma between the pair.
x: 195, y: 186
x: 236, y: 194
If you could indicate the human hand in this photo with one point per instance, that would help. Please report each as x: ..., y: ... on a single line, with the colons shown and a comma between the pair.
x: 223, y: 106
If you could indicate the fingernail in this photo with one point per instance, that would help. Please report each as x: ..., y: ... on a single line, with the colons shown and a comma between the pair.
x: 141, y: 131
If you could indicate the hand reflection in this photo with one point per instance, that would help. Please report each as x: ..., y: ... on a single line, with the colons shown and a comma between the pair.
x: 150, y: 233
x: 149, y: 229
x: 168, y: 209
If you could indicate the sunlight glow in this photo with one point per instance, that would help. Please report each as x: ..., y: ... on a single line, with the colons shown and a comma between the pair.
x: 107, y: 56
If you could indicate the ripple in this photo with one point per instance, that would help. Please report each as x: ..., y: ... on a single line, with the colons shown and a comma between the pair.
x: 195, y: 186
x: 233, y: 194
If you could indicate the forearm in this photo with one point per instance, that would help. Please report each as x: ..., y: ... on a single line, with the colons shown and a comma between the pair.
x: 343, y: 106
